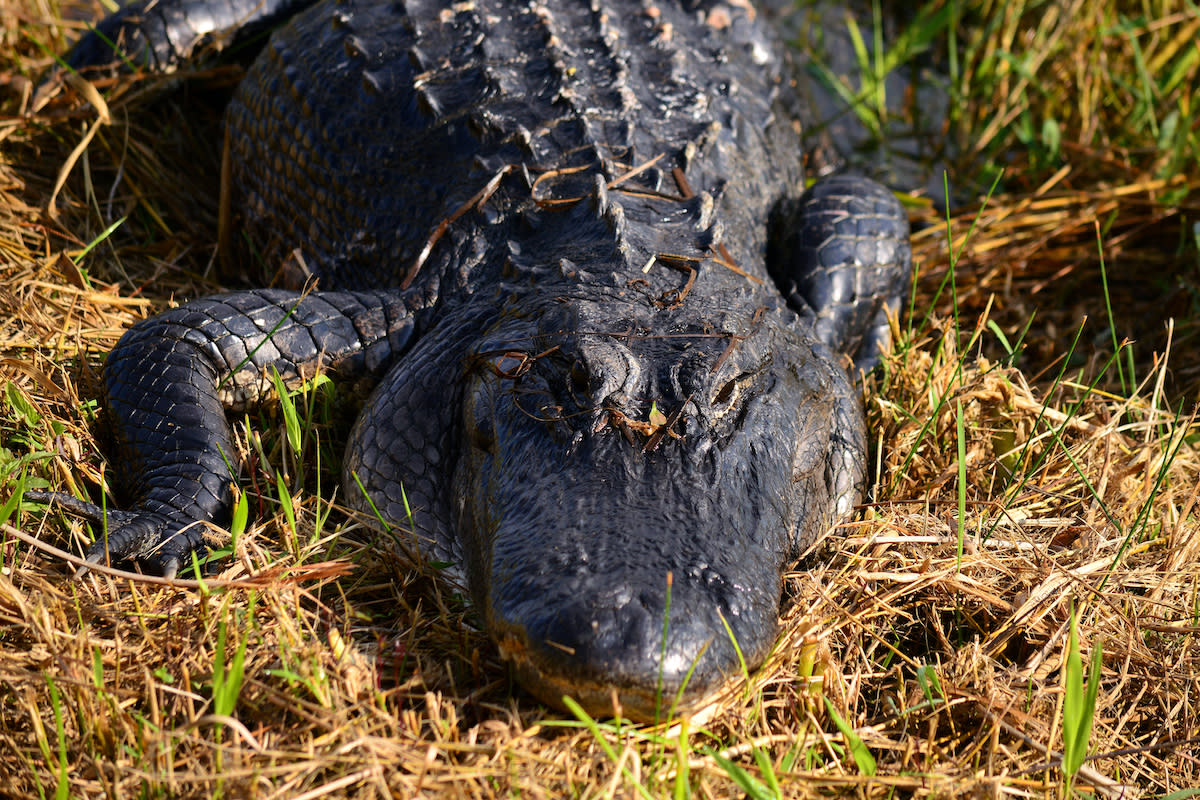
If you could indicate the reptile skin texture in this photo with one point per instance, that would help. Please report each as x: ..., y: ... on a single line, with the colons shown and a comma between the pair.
x: 608, y: 327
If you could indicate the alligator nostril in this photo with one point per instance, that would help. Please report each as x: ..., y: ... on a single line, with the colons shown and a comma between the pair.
x: 580, y: 379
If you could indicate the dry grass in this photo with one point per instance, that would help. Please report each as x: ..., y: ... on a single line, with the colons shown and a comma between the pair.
x: 365, y: 678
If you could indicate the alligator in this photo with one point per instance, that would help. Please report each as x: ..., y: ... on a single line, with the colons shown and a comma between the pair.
x: 610, y: 333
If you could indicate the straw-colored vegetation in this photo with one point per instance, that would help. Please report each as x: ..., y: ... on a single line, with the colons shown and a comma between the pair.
x: 1035, y: 462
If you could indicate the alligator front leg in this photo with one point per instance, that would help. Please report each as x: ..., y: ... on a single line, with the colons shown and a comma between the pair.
x: 841, y: 255
x: 171, y: 379
x: 161, y: 35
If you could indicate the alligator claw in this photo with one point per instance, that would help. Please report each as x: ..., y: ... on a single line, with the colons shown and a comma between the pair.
x: 152, y: 539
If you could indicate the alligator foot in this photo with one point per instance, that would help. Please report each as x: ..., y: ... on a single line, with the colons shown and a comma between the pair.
x: 842, y: 258
x: 154, y: 540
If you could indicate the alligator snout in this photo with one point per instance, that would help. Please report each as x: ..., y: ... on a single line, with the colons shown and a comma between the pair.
x: 646, y: 650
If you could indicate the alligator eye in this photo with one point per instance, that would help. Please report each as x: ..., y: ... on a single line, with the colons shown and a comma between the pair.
x: 726, y: 392
x: 511, y: 365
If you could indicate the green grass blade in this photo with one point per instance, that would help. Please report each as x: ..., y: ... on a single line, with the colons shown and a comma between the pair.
x: 228, y: 673
x: 768, y: 771
x: 104, y: 234
x: 62, y: 788
x: 747, y: 782
x: 662, y: 656
x: 14, y: 500
x: 928, y: 679
x: 682, y: 790
x: 858, y: 750
x: 962, y: 485
x: 241, y: 515
x: 288, y: 406
x: 1079, y: 705
x: 285, y: 502
x: 1072, y: 701
x: 598, y: 735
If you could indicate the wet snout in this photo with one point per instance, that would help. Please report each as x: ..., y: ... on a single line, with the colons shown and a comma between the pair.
x: 638, y: 594
x: 648, y: 650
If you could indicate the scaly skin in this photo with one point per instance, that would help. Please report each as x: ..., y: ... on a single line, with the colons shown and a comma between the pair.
x: 555, y: 218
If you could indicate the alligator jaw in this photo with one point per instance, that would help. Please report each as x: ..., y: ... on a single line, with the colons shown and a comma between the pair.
x: 603, y: 698
x: 600, y: 699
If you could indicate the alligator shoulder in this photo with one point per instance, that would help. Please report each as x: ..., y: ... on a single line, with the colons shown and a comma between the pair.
x: 609, y: 328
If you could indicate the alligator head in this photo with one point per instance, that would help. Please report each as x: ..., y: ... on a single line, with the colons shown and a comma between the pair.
x: 629, y: 489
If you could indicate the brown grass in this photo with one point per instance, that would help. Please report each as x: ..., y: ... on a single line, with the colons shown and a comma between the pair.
x: 366, y: 678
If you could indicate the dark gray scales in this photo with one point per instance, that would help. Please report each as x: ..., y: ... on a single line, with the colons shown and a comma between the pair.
x: 532, y: 223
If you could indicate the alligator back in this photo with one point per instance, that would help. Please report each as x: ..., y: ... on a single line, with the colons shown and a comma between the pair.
x: 365, y: 125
